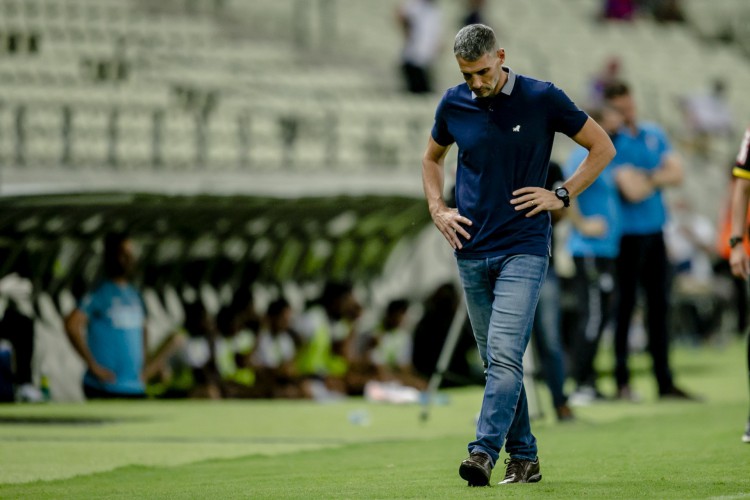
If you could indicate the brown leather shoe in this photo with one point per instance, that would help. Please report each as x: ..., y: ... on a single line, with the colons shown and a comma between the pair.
x: 476, y: 469
x: 521, y: 471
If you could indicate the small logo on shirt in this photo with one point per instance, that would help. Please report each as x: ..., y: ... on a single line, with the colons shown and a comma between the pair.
x: 517, y: 128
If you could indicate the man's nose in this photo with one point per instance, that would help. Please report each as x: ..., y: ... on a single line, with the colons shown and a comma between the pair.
x: 476, y: 82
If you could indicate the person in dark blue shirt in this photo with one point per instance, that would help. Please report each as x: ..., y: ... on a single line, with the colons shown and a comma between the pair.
x: 504, y: 125
x: 646, y: 166
x: 113, y: 318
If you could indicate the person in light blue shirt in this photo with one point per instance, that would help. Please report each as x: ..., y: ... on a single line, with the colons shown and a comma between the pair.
x: 646, y: 166
x: 108, y: 328
x: 594, y: 243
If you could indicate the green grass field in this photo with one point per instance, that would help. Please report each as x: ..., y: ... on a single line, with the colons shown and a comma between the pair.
x: 262, y: 449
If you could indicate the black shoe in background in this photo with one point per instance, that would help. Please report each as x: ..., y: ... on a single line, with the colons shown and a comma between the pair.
x: 564, y: 413
x: 676, y: 393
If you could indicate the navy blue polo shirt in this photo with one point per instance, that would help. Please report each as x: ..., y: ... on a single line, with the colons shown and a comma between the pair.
x: 504, y: 143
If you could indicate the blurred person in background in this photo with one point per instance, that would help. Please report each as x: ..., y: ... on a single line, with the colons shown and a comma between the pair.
x: 474, y: 12
x: 739, y: 259
x: 697, y: 300
x: 430, y: 333
x: 108, y: 328
x: 609, y: 73
x: 421, y: 24
x: 238, y: 324
x: 200, y: 351
x: 619, y: 10
x: 393, y: 346
x: 646, y: 166
x: 327, y: 331
x: 594, y: 243
x: 184, y: 363
x: 18, y: 329
x: 547, y: 332
x: 501, y: 229
x: 707, y: 115
x: 722, y: 268
x: 667, y: 11
x: 274, y: 353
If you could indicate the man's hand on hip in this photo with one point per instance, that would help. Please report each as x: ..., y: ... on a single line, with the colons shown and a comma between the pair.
x: 535, y: 199
x: 449, y: 222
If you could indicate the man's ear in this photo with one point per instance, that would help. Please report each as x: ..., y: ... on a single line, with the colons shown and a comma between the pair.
x: 501, y: 55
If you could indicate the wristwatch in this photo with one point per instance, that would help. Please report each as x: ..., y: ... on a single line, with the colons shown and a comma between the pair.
x: 734, y: 241
x: 563, y: 195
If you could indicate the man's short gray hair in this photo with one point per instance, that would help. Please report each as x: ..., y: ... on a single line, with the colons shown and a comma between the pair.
x: 474, y: 41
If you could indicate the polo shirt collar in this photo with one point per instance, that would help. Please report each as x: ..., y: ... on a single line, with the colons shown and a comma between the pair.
x: 509, y: 83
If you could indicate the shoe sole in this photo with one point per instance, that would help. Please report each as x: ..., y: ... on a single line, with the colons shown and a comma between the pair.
x: 473, y: 475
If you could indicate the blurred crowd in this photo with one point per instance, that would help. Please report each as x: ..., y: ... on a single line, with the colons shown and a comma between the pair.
x: 324, y: 350
x: 321, y: 350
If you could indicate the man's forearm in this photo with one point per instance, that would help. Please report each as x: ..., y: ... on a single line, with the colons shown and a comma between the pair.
x: 80, y: 346
x: 433, y: 184
x: 670, y: 173
x: 74, y: 328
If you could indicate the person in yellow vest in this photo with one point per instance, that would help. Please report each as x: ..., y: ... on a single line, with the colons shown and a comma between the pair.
x: 238, y: 324
x: 327, y: 331
x: 273, y: 357
x: 392, y: 347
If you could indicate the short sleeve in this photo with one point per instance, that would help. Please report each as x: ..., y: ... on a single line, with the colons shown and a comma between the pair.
x: 90, y: 303
x: 565, y: 116
x: 440, y: 132
x: 742, y: 165
x: 664, y: 145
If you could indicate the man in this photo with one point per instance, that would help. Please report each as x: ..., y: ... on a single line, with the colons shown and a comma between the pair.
x: 421, y: 23
x: 647, y: 165
x: 738, y: 258
x: 594, y: 243
x: 504, y: 125
x: 108, y: 328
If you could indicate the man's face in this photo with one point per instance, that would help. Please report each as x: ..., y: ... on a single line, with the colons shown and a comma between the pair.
x: 483, y: 76
x: 283, y: 321
x: 127, y: 258
x: 625, y: 105
x: 611, y: 120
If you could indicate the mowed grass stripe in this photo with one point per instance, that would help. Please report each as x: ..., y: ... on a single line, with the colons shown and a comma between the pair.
x: 633, y: 458
x: 263, y: 449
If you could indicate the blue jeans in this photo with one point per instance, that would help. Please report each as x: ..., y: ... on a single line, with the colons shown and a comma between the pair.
x: 547, y: 337
x: 501, y: 297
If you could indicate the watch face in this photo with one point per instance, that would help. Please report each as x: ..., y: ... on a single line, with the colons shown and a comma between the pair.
x: 561, y: 192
